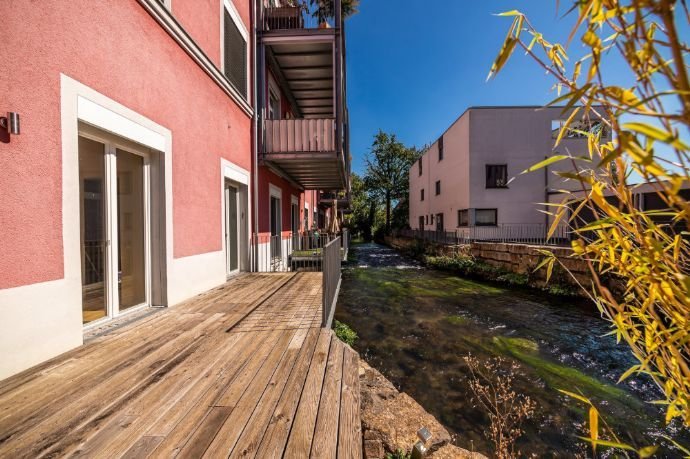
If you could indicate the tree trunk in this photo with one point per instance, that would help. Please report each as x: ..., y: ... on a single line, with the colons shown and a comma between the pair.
x: 388, y: 212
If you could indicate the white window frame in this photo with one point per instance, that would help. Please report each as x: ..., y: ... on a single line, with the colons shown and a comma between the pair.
x: 227, y: 5
x: 275, y: 92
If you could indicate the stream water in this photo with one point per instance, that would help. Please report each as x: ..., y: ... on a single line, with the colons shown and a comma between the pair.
x: 415, y: 325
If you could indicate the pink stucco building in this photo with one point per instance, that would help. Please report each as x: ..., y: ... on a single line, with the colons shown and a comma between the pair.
x: 471, y: 175
x: 142, y: 173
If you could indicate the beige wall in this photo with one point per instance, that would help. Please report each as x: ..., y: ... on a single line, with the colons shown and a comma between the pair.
x: 516, y: 136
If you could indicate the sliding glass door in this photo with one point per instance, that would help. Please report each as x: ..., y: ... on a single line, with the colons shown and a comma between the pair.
x: 114, y: 227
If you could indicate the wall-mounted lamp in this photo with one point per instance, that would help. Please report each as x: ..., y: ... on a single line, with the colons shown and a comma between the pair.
x: 10, y: 123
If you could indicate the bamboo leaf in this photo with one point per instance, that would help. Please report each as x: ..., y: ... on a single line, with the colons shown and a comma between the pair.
x: 575, y: 396
x: 593, y: 427
x: 542, y: 164
x: 647, y: 451
x: 656, y: 133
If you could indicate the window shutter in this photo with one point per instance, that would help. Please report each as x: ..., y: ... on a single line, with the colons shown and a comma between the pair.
x: 235, y: 55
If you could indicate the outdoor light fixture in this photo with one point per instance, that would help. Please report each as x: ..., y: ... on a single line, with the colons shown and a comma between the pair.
x: 420, y: 448
x: 10, y: 123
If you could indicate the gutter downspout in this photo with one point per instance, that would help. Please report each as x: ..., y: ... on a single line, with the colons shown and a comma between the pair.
x: 255, y: 129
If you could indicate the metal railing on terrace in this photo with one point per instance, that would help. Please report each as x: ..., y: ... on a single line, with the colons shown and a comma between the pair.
x: 518, y: 233
x: 299, y: 14
x: 331, y: 279
x: 295, y: 251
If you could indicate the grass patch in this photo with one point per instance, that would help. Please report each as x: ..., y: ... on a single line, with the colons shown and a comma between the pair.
x: 345, y: 333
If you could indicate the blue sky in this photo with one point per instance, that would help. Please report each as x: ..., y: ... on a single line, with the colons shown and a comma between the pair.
x: 415, y: 66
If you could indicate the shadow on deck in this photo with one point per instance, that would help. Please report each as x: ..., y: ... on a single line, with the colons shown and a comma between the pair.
x: 243, y: 370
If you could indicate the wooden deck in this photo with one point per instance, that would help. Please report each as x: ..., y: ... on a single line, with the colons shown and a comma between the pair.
x: 242, y: 371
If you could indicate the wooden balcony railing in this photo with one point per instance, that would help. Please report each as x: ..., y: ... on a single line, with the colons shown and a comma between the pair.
x: 300, y: 135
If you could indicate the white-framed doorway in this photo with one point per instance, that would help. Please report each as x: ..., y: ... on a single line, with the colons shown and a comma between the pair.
x: 115, y: 227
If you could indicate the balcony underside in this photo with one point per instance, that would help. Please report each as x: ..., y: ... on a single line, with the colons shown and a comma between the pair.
x: 305, y: 68
x: 314, y: 171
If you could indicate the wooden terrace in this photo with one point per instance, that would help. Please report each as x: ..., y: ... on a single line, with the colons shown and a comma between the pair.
x: 244, y: 370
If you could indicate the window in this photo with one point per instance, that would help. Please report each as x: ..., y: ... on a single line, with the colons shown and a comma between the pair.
x: 426, y: 219
x: 485, y: 217
x: 422, y: 195
x: 438, y: 187
x: 432, y: 219
x: 580, y: 129
x: 439, y: 222
x: 294, y: 214
x: 440, y: 148
x: 273, y: 106
x: 496, y: 176
x: 464, y: 217
x: 421, y: 222
x: 420, y: 166
x: 235, y: 50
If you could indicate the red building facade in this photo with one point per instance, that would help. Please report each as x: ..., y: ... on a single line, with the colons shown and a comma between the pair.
x: 138, y: 177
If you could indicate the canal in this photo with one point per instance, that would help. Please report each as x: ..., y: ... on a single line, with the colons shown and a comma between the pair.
x: 415, y: 325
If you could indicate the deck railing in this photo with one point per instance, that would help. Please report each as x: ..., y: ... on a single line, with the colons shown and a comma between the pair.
x: 298, y: 14
x: 518, y: 233
x: 294, y: 251
x: 300, y: 135
x: 331, y: 280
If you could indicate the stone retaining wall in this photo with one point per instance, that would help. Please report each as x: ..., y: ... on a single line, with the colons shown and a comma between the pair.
x: 517, y: 258
x: 523, y: 259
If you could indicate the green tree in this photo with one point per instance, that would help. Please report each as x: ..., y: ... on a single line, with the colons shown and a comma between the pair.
x: 360, y: 220
x: 325, y: 9
x: 386, y: 175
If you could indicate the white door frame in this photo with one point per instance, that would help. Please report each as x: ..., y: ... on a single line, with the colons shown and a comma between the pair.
x: 112, y: 144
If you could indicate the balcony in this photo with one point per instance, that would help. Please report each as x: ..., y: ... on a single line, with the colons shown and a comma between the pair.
x: 306, y: 149
x: 295, y: 15
x: 303, y: 53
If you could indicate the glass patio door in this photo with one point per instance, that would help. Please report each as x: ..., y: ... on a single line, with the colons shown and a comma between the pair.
x: 114, y: 227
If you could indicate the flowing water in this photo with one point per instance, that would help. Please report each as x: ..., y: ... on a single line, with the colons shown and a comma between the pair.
x: 415, y: 325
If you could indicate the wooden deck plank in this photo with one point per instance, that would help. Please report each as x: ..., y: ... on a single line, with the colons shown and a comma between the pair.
x: 350, y: 425
x: 276, y: 436
x: 251, y: 436
x: 239, y: 370
x: 302, y: 432
x: 324, y: 444
x: 187, y: 427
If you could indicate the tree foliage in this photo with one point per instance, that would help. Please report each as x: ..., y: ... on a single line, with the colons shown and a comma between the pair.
x: 648, y: 250
x: 325, y: 9
x: 386, y: 175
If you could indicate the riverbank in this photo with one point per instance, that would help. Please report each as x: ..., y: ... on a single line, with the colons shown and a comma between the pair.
x: 391, y: 420
x: 416, y: 325
x: 509, y: 264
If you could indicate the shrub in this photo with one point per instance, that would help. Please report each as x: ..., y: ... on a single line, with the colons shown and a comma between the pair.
x: 345, y: 333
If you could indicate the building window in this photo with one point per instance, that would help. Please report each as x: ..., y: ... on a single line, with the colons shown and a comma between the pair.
x: 273, y: 105
x: 422, y: 194
x: 438, y: 187
x: 432, y: 219
x: 496, y: 176
x: 580, y: 129
x: 439, y: 222
x: 426, y: 219
x: 440, y: 148
x: 420, y: 166
x: 421, y: 222
x: 464, y: 217
x: 485, y: 217
x: 234, y: 51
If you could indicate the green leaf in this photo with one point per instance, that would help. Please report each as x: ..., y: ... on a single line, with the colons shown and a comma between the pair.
x: 545, y: 163
x: 647, y: 451
x: 576, y: 396
x: 656, y: 133
x: 610, y: 444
